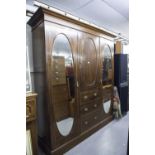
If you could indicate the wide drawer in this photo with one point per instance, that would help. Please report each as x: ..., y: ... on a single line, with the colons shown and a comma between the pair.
x: 89, y: 96
x: 59, y: 74
x: 59, y: 80
x: 91, y: 106
x: 58, y: 68
x: 87, y: 121
x: 60, y: 89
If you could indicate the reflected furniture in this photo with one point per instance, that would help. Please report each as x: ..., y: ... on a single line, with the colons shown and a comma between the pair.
x: 73, y: 76
x: 121, y: 80
x: 31, y: 125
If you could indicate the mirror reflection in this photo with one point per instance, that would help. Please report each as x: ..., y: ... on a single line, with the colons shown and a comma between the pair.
x: 63, y: 84
x: 106, y: 106
x: 107, y: 64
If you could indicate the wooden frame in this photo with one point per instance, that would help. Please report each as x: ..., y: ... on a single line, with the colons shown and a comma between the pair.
x: 46, y: 25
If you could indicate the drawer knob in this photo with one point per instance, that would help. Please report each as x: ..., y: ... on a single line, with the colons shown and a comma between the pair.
x: 85, y: 109
x: 95, y: 94
x: 86, y: 122
x: 57, y: 79
x: 27, y: 116
x: 95, y: 118
x: 95, y: 105
x: 85, y: 97
x: 88, y: 62
x: 56, y: 72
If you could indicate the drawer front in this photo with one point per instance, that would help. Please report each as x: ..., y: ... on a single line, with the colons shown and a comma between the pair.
x: 59, y: 89
x: 92, y: 106
x: 30, y: 109
x: 59, y: 68
x: 59, y: 61
x: 89, y: 96
x: 91, y: 119
x: 59, y: 74
x: 59, y: 80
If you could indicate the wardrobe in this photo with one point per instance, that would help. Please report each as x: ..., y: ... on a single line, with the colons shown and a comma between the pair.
x: 73, y: 77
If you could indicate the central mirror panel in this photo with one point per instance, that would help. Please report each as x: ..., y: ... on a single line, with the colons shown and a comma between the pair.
x: 63, y: 84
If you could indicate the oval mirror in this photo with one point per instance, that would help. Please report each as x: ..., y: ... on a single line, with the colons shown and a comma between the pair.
x: 106, y: 106
x: 89, y: 62
x: 107, y: 64
x: 63, y: 84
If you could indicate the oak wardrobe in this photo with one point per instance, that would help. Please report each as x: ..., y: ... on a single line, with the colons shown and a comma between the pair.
x: 73, y: 77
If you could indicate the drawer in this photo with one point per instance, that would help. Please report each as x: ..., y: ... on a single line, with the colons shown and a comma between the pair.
x: 58, y: 68
x: 30, y: 109
x: 59, y: 74
x: 59, y: 60
x: 59, y: 80
x: 91, y: 119
x: 60, y: 89
x: 92, y: 106
x: 89, y: 96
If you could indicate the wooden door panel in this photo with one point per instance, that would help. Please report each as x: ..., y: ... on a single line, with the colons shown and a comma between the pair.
x: 88, y: 60
x: 61, y: 48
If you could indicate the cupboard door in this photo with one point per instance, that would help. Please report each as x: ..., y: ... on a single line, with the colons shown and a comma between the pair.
x: 61, y: 48
x: 88, y: 61
x: 106, y: 49
x: 106, y: 53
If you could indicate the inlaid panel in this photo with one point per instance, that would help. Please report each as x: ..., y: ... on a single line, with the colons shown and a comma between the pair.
x: 88, y: 67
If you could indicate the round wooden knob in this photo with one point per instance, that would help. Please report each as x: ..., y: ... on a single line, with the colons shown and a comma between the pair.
x: 95, y: 118
x: 85, y: 97
x: 86, y: 122
x: 95, y: 105
x: 85, y: 109
x: 95, y: 94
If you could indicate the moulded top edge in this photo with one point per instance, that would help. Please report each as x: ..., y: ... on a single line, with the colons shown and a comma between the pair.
x: 39, y: 15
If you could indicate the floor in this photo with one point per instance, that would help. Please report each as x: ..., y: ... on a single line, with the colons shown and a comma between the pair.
x: 109, y: 140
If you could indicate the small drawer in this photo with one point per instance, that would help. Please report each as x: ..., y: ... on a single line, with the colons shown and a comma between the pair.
x: 59, y: 61
x: 30, y: 109
x: 60, y: 89
x: 59, y: 80
x: 92, y: 106
x: 91, y: 119
x: 59, y: 74
x: 58, y: 68
x: 89, y: 96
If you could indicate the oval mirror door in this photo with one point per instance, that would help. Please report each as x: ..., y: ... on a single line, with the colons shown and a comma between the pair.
x: 63, y: 84
x: 107, y: 64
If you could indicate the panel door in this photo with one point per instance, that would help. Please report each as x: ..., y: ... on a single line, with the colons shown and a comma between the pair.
x: 61, y: 48
x: 106, y: 57
x: 88, y: 46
